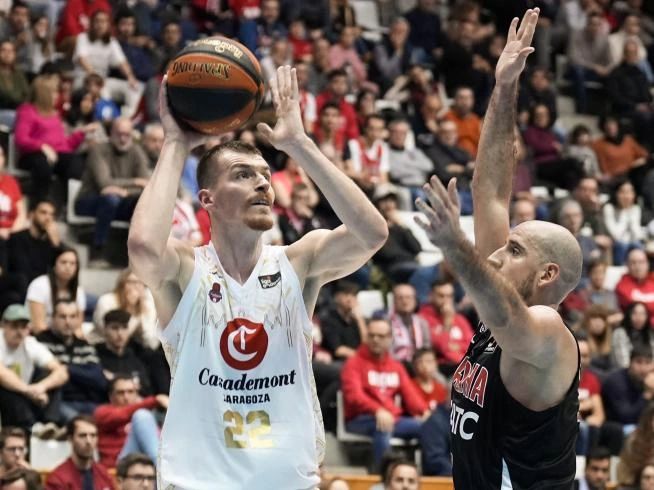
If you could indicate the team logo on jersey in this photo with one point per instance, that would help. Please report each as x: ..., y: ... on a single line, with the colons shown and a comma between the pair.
x: 243, y: 344
x: 270, y: 281
x: 215, y: 295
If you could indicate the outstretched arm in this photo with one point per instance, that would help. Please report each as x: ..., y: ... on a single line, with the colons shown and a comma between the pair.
x: 323, y: 254
x: 492, y: 180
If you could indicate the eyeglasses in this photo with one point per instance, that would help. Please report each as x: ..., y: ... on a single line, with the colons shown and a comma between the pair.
x: 15, y: 449
x: 141, y: 478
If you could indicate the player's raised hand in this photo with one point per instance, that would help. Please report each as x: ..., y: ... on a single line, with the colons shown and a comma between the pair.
x: 172, y: 130
x: 441, y: 219
x: 518, y: 47
x: 289, y: 128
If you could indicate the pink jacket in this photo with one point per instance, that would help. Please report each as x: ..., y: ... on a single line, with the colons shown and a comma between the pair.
x: 33, y: 130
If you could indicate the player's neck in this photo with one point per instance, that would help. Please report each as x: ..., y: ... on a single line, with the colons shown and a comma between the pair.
x: 238, y: 250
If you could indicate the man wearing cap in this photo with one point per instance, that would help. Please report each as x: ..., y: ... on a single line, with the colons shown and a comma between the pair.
x: 22, y: 401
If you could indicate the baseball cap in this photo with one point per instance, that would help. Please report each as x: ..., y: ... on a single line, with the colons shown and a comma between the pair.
x: 383, y: 191
x: 16, y: 312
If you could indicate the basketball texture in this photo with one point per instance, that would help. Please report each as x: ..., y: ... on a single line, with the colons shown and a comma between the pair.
x: 214, y: 85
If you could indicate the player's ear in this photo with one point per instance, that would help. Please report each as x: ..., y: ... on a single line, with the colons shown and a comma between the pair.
x: 549, y: 273
x: 206, y: 198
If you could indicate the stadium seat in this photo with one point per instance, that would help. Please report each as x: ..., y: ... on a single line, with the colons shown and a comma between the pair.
x: 370, y: 301
x: 613, y: 275
x: 47, y: 455
x: 367, y: 17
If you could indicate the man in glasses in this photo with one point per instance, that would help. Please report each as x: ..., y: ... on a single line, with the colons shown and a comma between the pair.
x: 13, y: 449
x: 135, y: 472
x: 28, y: 373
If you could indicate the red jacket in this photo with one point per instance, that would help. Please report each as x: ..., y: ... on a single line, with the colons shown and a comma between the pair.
x: 450, y: 346
x: 629, y: 290
x: 370, y: 384
x: 66, y: 476
x: 113, y: 424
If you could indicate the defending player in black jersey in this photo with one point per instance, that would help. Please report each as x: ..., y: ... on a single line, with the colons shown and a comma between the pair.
x: 514, y: 395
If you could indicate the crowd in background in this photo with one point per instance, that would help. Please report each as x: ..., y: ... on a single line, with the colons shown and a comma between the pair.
x: 79, y: 87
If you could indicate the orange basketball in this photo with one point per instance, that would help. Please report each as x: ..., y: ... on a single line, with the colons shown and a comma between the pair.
x: 214, y: 85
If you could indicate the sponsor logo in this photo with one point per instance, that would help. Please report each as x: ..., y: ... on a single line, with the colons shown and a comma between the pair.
x: 470, y: 380
x: 243, y: 344
x: 215, y: 295
x: 270, y: 281
x: 463, y: 423
x: 218, y: 70
x: 220, y: 46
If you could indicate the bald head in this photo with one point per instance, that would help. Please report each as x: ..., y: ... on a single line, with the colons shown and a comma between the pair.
x: 555, y: 245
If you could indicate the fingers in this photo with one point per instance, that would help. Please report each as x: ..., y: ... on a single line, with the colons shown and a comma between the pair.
x: 524, y: 52
x: 530, y: 28
x: 437, y: 194
x: 288, y: 81
x: 295, y: 91
x: 428, y: 213
x: 274, y: 90
x: 512, y: 36
x: 265, y: 130
x: 453, y: 194
x: 523, y: 24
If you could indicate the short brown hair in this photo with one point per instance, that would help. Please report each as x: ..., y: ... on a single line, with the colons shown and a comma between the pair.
x: 130, y: 460
x: 71, y: 426
x: 207, y: 171
x: 9, y: 431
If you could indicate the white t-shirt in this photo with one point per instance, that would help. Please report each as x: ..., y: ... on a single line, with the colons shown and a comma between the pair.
x: 39, y: 291
x: 30, y: 354
x: 375, y: 158
x: 101, y: 56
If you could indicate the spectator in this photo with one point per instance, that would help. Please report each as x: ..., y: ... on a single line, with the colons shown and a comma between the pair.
x: 75, y: 18
x: 86, y: 386
x: 137, y: 53
x: 393, y: 56
x: 586, y: 193
x: 61, y: 281
x: 450, y: 331
x: 22, y: 479
x: 136, y: 472
x: 335, y: 92
x: 630, y: 32
x: 570, y: 216
x: 618, y: 154
x: 637, y: 284
x: 343, y: 55
x: 80, y: 471
x: 336, y: 484
x: 628, y: 90
x: 116, y: 173
x: 41, y: 139
x: 330, y: 137
x: 32, y: 251
x: 547, y: 152
x: 343, y: 327
x: 152, y: 142
x: 16, y: 28
x: 82, y: 114
x: 595, y: 325
x: 117, y: 357
x: 280, y: 55
x: 596, y: 473
x: 283, y: 182
x: 450, y: 161
x: 13, y: 449
x: 269, y: 27
x: 371, y: 380
x: 590, y: 58
x: 402, y: 475
x: 14, y: 88
x: 369, y: 164
x: 13, y: 216
x: 425, y: 123
x: 626, y: 392
x: 299, y: 219
x: 467, y: 122
x: 638, y: 449
x: 537, y: 91
x: 428, y: 380
x: 40, y: 48
x: 522, y: 210
x: 127, y: 425
x: 435, y: 442
x: 647, y: 477
x: 622, y: 216
x: 409, y: 331
x: 409, y: 167
x: 307, y: 99
x: 342, y: 15
x: 580, y: 148
x: 132, y: 296
x: 97, y: 51
x: 320, y: 67
x: 425, y: 28
x: 634, y: 330
x: 26, y: 396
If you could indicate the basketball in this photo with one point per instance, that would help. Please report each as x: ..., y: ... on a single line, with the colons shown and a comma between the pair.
x: 214, y: 85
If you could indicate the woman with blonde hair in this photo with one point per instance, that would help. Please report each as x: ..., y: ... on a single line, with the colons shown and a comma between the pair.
x: 41, y: 138
x: 638, y: 450
x: 131, y: 295
x: 596, y: 326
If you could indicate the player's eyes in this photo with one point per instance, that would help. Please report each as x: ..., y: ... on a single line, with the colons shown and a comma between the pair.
x: 242, y: 175
x: 515, y: 250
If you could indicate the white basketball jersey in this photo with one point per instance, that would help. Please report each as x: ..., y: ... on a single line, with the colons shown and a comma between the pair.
x: 243, y: 409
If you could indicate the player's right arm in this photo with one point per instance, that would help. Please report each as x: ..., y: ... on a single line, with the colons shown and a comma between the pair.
x: 156, y: 258
x: 493, y: 176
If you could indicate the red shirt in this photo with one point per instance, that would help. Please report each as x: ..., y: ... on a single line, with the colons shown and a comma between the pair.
x: 450, y: 345
x: 589, y: 385
x: 349, y: 129
x: 10, y: 196
x: 76, y: 16
x: 629, y: 290
x: 113, y: 426
x: 370, y: 384
x: 66, y: 476
x: 438, y: 393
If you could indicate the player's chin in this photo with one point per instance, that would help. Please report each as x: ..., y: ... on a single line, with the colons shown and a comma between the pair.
x: 260, y: 222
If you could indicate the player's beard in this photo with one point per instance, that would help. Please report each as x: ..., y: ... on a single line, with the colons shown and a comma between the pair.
x: 526, y: 287
x: 260, y: 222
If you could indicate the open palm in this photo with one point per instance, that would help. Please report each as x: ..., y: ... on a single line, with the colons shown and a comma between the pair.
x: 286, y: 99
x: 518, y: 47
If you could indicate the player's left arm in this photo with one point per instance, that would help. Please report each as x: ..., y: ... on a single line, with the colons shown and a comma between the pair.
x: 323, y: 254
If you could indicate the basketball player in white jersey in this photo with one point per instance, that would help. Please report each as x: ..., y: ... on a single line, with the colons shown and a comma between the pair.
x: 235, y: 314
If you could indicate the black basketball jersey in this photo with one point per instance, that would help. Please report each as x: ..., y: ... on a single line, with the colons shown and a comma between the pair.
x: 497, y: 443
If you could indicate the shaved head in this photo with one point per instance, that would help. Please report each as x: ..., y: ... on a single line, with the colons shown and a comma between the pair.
x: 556, y: 245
